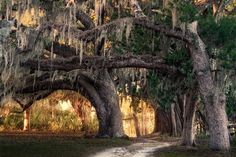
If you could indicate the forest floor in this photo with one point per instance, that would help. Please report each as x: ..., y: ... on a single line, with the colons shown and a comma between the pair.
x: 22, y: 144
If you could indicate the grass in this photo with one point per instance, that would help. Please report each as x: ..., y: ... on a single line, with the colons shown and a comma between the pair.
x: 200, y: 151
x: 54, y: 146
x: 72, y: 145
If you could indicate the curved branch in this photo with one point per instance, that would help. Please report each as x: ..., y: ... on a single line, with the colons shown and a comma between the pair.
x: 100, y: 62
x: 41, y: 89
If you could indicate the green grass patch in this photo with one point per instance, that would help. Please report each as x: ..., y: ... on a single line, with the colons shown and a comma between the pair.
x: 55, y: 146
x: 201, y: 150
x: 190, y: 152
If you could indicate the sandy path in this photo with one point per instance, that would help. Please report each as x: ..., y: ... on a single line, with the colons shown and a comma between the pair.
x: 141, y: 149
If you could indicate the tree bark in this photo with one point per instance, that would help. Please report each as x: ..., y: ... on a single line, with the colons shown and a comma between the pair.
x: 100, y: 62
x: 162, y: 121
x: 99, y: 106
x: 26, y: 126
x: 173, y: 120
x: 213, y: 98
x: 188, y: 134
x: 218, y: 122
x: 108, y: 94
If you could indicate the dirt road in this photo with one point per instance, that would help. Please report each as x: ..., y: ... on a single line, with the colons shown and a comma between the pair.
x: 140, y: 149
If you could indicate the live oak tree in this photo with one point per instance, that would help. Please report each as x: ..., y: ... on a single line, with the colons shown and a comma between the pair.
x: 63, y: 48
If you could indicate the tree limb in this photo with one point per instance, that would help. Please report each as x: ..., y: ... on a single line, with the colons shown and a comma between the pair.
x: 100, y: 62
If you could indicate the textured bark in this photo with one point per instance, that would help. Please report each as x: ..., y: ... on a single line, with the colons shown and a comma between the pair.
x: 217, y: 121
x: 213, y: 98
x: 99, y: 106
x: 188, y: 134
x: 106, y: 88
x: 100, y: 62
x: 108, y: 94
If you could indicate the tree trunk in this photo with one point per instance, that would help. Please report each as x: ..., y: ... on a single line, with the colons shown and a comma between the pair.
x: 217, y: 121
x: 179, y: 119
x: 136, y: 125
x: 162, y: 121
x: 214, y: 7
x: 108, y: 94
x: 188, y: 134
x: 26, y: 126
x: 100, y: 11
x: 173, y: 120
x: 95, y: 99
x: 213, y: 98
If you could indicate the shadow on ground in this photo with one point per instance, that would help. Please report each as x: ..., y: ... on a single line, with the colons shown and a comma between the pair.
x: 54, y: 145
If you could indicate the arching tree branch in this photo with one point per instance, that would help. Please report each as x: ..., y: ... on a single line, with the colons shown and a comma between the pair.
x: 100, y: 62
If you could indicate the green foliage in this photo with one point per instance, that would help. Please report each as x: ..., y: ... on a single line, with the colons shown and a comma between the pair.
x: 180, y: 59
x: 220, y: 36
x: 140, y: 42
x: 231, y: 101
x: 188, y: 12
x: 163, y: 89
x: 160, y: 90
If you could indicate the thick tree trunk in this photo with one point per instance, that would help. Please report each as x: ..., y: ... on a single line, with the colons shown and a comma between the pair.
x: 98, y: 103
x: 213, y: 98
x: 217, y: 121
x: 188, y: 134
x: 108, y: 94
x: 26, y: 126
